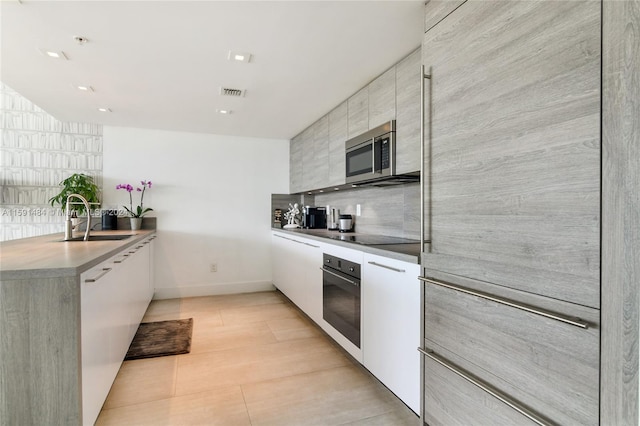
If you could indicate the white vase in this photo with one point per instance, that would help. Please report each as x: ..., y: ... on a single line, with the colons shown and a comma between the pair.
x: 136, y: 223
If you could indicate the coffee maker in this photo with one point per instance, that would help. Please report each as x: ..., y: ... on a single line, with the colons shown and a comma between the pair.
x: 314, y: 217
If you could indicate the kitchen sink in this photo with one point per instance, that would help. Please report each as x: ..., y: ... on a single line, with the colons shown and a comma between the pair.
x: 103, y: 237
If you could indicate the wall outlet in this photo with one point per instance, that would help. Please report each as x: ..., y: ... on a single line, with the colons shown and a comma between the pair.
x: 358, y: 211
x: 213, y: 267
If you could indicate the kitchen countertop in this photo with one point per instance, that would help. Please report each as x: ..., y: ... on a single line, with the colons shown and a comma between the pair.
x: 49, y: 256
x: 404, y: 252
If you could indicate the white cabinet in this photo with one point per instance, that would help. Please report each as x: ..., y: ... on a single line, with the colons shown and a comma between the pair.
x: 390, y: 307
x: 114, y: 297
x: 297, y: 274
x: 98, y: 368
x: 391, y: 325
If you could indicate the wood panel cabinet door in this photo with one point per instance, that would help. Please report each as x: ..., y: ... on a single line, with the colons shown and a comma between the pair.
x: 358, y: 112
x: 337, y: 137
x: 514, y: 165
x: 295, y: 164
x: 382, y: 98
x: 319, y: 171
x: 545, y: 364
x: 408, y: 113
x: 308, y: 161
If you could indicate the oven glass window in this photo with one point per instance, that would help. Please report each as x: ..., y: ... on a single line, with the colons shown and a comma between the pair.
x: 359, y: 161
x: 341, y: 306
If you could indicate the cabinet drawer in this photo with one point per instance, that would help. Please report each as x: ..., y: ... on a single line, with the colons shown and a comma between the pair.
x: 548, y: 365
x: 451, y: 400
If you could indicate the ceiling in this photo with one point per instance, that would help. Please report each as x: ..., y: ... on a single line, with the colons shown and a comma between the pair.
x: 161, y: 64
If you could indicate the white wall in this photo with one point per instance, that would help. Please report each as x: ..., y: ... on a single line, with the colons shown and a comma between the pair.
x: 211, y: 195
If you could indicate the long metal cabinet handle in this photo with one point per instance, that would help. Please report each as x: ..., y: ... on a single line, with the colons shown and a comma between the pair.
x: 124, y: 257
x: 104, y: 272
x: 386, y: 267
x: 487, y: 388
x: 285, y: 238
x: 295, y: 241
x: 340, y: 276
x: 423, y: 76
x: 538, y: 311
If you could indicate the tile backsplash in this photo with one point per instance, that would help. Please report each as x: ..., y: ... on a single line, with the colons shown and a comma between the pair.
x: 37, y: 151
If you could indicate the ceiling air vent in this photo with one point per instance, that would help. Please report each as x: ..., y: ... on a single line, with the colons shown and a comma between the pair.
x: 226, y: 91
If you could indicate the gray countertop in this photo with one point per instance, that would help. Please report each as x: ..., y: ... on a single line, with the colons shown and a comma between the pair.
x: 405, y: 252
x: 50, y: 256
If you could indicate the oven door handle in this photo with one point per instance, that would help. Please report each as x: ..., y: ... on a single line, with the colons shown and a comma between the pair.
x: 357, y: 284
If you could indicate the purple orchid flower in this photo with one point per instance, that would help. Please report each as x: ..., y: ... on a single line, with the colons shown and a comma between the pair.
x: 140, y: 210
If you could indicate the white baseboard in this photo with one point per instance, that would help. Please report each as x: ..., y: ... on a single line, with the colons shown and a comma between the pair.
x: 212, y: 290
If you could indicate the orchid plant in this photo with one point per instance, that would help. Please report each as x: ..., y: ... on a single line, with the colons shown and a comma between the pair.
x: 140, y: 211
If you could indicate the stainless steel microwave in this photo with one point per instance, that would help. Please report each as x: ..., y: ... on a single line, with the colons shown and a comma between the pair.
x: 371, y: 155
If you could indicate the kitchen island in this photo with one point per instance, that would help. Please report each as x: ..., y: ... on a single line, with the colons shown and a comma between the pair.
x: 43, y: 341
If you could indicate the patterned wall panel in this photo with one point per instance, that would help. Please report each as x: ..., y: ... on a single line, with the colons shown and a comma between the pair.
x: 38, y: 151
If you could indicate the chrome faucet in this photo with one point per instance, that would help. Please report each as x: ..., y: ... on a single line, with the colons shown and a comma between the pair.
x: 68, y: 229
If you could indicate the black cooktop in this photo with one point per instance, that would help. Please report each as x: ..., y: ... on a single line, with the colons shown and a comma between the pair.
x: 372, y: 240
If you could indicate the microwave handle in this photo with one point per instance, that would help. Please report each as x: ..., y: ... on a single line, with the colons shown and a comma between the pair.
x: 376, y: 146
x: 373, y: 155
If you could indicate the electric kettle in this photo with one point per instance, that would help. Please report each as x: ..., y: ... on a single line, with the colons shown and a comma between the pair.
x: 333, y: 216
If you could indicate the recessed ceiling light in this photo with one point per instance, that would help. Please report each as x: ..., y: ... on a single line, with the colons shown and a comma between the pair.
x: 336, y: 189
x: 104, y: 109
x: 224, y: 111
x: 239, y: 56
x: 55, y: 54
x: 84, y: 88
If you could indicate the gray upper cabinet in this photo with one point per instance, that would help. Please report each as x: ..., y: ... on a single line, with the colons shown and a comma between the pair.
x: 319, y: 172
x: 295, y: 164
x: 515, y: 146
x: 382, y: 98
x: 308, y: 158
x: 394, y: 95
x: 337, y: 136
x: 358, y: 113
x: 408, y: 113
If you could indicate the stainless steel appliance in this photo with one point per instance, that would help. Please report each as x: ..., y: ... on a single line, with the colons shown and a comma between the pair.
x: 370, y: 158
x: 314, y: 217
x: 341, y: 296
x: 371, y: 154
x: 332, y: 218
x: 345, y: 223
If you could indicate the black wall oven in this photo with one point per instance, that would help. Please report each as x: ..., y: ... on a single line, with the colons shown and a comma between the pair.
x: 341, y: 296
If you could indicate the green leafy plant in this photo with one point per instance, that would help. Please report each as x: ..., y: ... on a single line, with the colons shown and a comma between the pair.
x: 77, y: 183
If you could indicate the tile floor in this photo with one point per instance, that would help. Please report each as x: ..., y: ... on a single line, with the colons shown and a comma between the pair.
x: 255, y: 360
